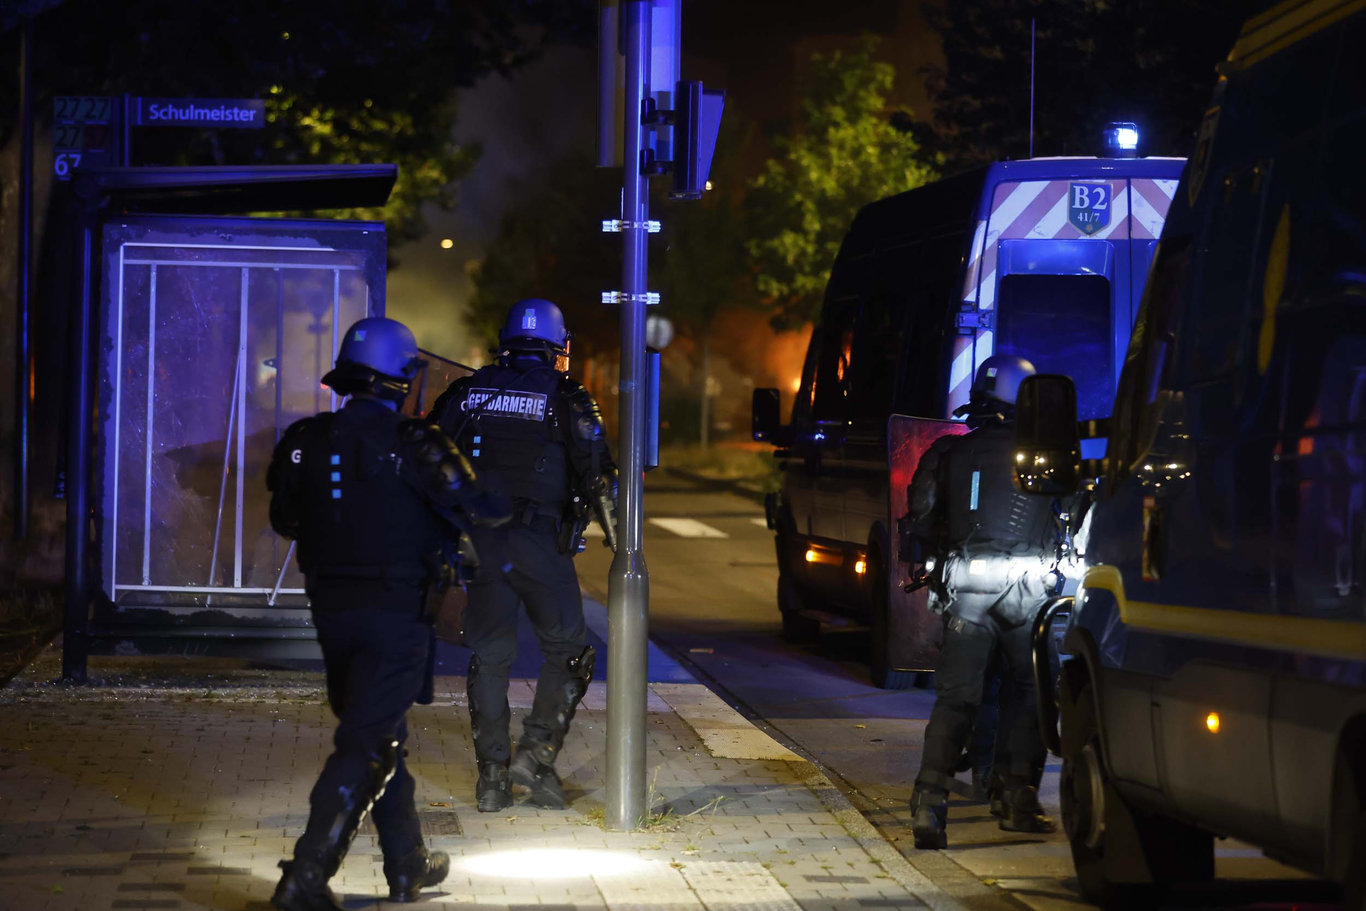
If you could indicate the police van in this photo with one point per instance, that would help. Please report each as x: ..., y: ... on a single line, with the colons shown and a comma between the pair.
x: 1044, y: 258
x: 1215, y: 682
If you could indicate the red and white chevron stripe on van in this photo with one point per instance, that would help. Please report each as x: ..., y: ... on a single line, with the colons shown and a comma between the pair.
x: 1038, y: 209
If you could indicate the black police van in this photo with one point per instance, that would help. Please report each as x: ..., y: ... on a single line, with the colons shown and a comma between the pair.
x: 1215, y: 682
x: 1043, y: 258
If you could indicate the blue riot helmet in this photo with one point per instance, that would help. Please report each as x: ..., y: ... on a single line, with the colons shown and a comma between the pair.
x: 535, y: 327
x: 998, y: 379
x: 378, y: 356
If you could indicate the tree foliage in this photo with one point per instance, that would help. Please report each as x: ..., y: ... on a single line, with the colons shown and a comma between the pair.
x: 550, y: 244
x: 344, y: 80
x: 846, y: 150
x: 1147, y: 61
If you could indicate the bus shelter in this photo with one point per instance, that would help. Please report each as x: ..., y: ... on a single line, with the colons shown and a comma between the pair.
x: 199, y: 335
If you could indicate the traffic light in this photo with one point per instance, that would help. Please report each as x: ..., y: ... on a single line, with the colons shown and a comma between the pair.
x: 697, y: 120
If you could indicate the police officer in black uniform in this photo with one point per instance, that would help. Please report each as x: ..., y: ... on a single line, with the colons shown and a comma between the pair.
x: 996, y: 566
x: 535, y: 435
x: 371, y: 498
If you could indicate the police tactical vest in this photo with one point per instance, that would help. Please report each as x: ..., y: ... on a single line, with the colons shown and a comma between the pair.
x: 985, y: 511
x: 510, y: 423
x: 362, y: 516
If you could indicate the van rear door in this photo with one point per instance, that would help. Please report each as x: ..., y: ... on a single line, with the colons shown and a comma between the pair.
x: 1056, y: 279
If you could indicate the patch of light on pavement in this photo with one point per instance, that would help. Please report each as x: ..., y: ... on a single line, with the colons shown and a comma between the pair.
x: 553, y: 863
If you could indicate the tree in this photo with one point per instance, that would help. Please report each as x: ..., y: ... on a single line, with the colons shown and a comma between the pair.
x: 550, y: 245
x: 846, y: 150
x: 344, y: 80
x: 1147, y: 61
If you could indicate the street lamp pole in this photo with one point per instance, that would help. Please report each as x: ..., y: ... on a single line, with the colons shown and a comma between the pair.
x: 628, y: 590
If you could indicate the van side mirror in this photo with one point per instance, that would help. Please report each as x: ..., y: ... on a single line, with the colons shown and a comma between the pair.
x: 766, y: 420
x: 1047, y: 444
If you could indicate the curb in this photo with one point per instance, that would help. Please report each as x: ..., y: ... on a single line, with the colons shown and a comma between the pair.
x: 952, y: 888
x: 739, y: 488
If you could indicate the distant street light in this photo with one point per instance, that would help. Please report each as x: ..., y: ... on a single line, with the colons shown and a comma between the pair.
x: 447, y: 243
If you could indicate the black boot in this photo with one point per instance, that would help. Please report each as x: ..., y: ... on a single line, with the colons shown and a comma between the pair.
x: 546, y: 790
x: 493, y: 792
x: 929, y: 819
x: 419, y: 870
x: 344, y: 793
x: 304, y: 888
x: 1024, y: 813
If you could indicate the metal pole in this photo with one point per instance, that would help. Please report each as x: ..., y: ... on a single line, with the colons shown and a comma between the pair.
x: 76, y: 614
x: 150, y: 422
x: 21, y: 338
x: 241, y: 500
x: 628, y: 590
x: 1031, y: 87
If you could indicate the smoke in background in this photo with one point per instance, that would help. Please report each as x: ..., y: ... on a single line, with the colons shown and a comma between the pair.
x: 522, y: 124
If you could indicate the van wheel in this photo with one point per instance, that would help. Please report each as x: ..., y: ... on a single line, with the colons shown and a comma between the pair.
x: 796, y: 626
x: 880, y: 669
x: 1121, y: 857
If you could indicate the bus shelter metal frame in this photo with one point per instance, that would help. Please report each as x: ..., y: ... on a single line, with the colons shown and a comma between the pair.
x: 203, y: 191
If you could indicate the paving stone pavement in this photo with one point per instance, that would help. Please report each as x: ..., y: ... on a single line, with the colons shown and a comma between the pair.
x: 180, y: 783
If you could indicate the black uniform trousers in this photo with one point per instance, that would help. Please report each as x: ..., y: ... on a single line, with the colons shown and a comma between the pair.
x: 544, y: 580
x: 377, y: 663
x: 965, y: 665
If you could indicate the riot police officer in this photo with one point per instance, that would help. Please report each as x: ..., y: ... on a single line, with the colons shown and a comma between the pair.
x: 370, y: 497
x: 535, y: 435
x: 997, y: 565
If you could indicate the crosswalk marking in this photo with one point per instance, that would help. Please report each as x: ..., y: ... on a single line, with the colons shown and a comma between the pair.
x: 689, y: 528
x: 759, y: 521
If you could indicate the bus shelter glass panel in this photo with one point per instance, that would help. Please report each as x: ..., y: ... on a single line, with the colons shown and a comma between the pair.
x: 217, y: 333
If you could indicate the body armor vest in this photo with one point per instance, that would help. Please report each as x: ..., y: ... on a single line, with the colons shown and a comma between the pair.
x: 511, y: 425
x: 985, y: 511
x: 361, y: 515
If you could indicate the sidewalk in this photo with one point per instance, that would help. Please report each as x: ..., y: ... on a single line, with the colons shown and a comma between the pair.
x: 179, y: 783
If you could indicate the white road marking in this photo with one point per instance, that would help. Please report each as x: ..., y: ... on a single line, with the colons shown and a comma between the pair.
x: 592, y: 530
x: 689, y: 528
x: 760, y: 521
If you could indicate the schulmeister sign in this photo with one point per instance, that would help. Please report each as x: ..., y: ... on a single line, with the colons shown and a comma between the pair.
x: 233, y: 113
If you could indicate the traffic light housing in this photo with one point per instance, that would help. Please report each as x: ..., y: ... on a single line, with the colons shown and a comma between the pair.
x: 697, y: 120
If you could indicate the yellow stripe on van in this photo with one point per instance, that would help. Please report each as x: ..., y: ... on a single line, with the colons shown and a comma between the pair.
x: 1280, y: 27
x: 1278, y: 632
